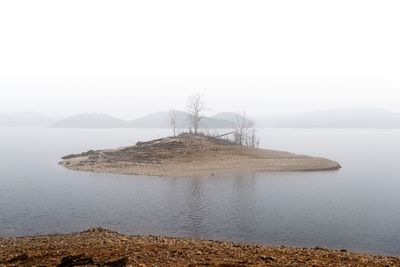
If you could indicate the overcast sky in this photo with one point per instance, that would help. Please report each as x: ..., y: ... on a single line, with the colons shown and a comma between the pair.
x: 127, y: 58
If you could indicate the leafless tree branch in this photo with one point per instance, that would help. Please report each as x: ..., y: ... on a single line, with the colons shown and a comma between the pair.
x: 195, y: 107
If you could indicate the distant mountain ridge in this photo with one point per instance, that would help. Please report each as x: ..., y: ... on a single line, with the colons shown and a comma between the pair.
x: 356, y: 117
x: 25, y: 119
x: 90, y: 120
x: 232, y: 117
x: 162, y: 120
x: 154, y: 120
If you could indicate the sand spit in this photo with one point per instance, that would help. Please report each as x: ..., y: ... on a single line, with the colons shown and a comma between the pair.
x: 100, y: 247
x: 189, y: 155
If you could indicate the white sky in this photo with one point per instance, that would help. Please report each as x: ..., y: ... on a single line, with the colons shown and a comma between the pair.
x: 128, y: 58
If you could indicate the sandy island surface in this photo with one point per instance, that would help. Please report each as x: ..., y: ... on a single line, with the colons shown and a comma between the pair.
x: 189, y: 155
x: 100, y: 247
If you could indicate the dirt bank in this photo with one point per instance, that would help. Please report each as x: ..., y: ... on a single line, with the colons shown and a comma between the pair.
x: 99, y: 247
x: 190, y: 155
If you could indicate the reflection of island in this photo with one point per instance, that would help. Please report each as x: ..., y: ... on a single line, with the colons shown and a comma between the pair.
x: 192, y: 155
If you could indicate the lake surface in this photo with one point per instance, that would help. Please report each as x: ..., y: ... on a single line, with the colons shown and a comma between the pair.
x: 357, y: 208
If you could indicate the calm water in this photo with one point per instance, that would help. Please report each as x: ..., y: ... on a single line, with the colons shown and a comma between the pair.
x: 357, y: 207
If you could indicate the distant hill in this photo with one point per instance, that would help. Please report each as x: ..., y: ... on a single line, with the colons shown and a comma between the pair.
x: 155, y: 120
x: 213, y: 123
x: 25, y: 119
x: 230, y: 116
x: 359, y: 117
x: 162, y: 120
x: 159, y: 120
x: 90, y: 120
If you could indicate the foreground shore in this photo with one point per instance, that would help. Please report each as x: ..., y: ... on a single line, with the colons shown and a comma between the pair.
x: 190, y: 155
x: 100, y: 247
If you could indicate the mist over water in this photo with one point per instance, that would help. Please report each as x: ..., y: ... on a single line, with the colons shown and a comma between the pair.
x: 354, y: 208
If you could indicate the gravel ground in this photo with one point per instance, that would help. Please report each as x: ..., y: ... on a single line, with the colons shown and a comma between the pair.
x: 100, y: 247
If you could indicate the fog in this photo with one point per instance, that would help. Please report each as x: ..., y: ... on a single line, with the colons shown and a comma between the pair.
x: 292, y: 138
x: 127, y: 59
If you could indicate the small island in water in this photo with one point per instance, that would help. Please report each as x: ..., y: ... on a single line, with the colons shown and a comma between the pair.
x: 189, y: 155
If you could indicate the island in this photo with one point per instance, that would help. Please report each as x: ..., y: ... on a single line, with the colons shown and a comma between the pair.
x: 189, y: 155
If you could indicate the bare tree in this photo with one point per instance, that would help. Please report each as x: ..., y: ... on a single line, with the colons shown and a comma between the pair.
x: 195, y: 107
x: 242, y: 126
x: 172, y: 120
x: 252, y: 140
x: 245, y: 134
